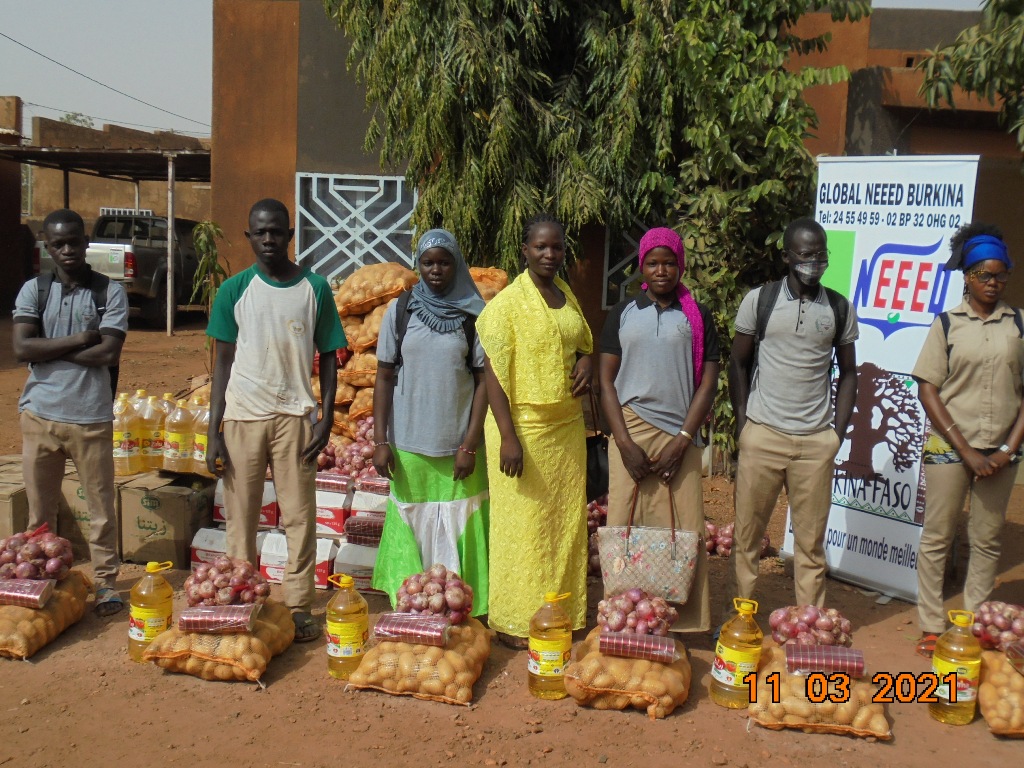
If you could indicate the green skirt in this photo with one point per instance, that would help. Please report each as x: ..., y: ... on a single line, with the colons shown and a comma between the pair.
x: 432, y: 518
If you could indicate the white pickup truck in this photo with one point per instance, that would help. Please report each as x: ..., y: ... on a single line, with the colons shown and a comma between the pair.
x: 131, y: 248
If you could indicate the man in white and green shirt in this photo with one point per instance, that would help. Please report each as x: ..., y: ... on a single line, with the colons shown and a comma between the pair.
x: 268, y: 321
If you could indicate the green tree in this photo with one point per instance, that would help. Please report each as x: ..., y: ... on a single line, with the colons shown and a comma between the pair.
x: 613, y: 111
x: 77, y: 118
x: 986, y: 60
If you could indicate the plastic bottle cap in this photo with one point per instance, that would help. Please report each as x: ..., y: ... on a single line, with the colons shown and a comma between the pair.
x: 743, y: 605
x: 961, y: 618
x: 554, y: 597
x: 152, y: 399
x: 123, y: 396
x: 182, y: 403
x: 154, y: 567
x: 140, y: 392
x: 168, y: 395
x: 342, y: 580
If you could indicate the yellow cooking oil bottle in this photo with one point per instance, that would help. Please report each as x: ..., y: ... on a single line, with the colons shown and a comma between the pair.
x: 550, y: 646
x: 151, y: 416
x: 138, y: 398
x: 348, y: 627
x: 150, y: 609
x: 178, y: 439
x: 127, y: 434
x: 737, y: 654
x: 957, y: 653
x: 200, y: 427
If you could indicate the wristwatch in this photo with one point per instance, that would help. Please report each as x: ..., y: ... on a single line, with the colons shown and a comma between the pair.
x: 1006, y: 449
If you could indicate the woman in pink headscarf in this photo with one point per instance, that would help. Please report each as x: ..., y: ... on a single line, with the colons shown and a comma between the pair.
x: 659, y: 374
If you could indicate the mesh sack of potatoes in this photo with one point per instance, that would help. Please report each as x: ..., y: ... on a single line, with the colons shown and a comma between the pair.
x: 854, y: 714
x: 241, y: 656
x: 371, y: 286
x: 1001, y: 695
x: 360, y: 370
x: 489, y: 280
x: 23, y: 631
x: 343, y: 395
x: 344, y: 426
x: 363, y: 334
x: 362, y: 404
x: 614, y: 682
x: 426, y: 671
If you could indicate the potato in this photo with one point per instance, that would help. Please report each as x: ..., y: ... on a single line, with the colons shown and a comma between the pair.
x: 654, y: 686
x: 432, y: 654
x: 798, y: 706
x: 878, y: 724
x: 407, y: 664
x: 846, y: 712
x: 456, y: 660
x: 224, y: 672
x: 777, y: 711
x: 445, y: 672
x: 451, y: 690
x: 464, y: 695
x: 434, y: 687
x: 862, y: 719
x: 249, y: 661
x: 606, y: 680
x: 466, y: 678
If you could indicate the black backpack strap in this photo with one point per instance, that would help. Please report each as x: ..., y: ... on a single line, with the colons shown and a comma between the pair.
x: 766, y: 299
x: 401, y: 325
x: 44, y: 282
x: 99, y: 286
x: 469, y: 329
x: 841, y: 310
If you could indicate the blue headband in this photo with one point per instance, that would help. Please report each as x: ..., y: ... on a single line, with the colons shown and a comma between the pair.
x: 982, y: 248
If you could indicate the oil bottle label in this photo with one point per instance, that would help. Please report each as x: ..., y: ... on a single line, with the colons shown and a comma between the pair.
x: 547, y: 658
x: 345, y: 639
x: 731, y: 666
x: 967, y: 674
x: 126, y: 445
x: 153, y: 443
x: 177, y: 446
x: 199, y: 444
x: 144, y: 624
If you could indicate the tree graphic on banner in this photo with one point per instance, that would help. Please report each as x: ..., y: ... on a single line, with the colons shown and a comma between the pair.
x: 886, y: 413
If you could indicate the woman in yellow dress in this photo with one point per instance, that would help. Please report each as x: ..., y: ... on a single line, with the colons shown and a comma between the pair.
x: 538, y: 364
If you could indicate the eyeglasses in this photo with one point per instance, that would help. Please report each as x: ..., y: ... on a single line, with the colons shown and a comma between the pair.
x: 985, y: 277
x: 816, y: 256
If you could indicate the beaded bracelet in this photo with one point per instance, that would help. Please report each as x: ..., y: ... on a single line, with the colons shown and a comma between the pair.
x: 378, y: 445
x: 466, y: 450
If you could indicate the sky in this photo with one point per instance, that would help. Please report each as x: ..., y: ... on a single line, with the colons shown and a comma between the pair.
x: 158, y: 52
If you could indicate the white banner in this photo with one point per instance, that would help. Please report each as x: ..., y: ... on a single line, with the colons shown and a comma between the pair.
x: 888, y: 220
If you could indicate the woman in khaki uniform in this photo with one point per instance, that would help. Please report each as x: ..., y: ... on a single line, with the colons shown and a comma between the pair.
x: 969, y: 378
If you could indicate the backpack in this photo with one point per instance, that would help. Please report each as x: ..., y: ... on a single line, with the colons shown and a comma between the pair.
x: 98, y: 286
x: 402, y: 313
x: 943, y: 318
x: 766, y: 303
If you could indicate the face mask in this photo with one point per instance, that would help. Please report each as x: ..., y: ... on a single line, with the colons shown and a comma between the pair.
x: 810, y: 272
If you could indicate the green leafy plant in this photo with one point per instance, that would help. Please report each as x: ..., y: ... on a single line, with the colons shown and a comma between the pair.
x: 210, y: 271
x: 986, y: 60
x: 617, y: 112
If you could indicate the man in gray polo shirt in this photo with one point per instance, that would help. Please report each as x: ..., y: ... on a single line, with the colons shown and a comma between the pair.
x: 70, y: 344
x: 781, y: 396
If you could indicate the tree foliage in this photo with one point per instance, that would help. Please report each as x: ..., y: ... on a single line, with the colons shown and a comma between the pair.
x: 986, y: 60
x: 77, y: 118
x: 619, y: 112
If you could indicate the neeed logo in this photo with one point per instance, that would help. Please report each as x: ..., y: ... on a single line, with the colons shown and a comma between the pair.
x: 901, y: 286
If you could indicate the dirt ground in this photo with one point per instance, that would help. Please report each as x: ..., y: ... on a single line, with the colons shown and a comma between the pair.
x: 82, y: 695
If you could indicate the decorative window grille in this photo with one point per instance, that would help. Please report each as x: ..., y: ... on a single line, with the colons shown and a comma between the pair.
x: 346, y: 222
x: 621, y: 277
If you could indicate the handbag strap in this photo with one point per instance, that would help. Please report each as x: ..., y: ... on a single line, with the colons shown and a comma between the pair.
x: 594, y: 413
x: 632, y: 512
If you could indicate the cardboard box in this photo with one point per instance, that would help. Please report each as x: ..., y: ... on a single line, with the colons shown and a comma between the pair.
x: 74, y: 522
x: 274, y: 559
x: 357, y: 561
x: 13, y: 508
x: 210, y: 543
x: 268, y: 512
x: 160, y: 516
x: 331, y: 513
x: 365, y: 501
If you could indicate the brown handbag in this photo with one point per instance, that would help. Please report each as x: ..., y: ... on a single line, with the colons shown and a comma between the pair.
x: 660, y: 561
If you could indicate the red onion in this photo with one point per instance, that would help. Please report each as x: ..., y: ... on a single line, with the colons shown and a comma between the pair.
x: 645, y: 616
x: 26, y: 571
x: 223, y: 564
x: 8, y: 556
x: 616, y: 621
x: 777, y: 617
x: 54, y: 566
x: 810, y: 624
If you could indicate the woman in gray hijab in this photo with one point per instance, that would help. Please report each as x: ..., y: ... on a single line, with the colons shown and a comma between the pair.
x: 429, y: 404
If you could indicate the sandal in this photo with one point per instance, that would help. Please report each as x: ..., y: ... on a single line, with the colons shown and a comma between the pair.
x: 306, y: 627
x: 513, y: 642
x: 926, y: 645
x: 108, y: 602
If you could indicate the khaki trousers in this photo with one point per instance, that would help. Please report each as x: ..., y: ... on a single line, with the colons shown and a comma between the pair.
x: 250, y: 446
x: 46, y: 446
x: 805, y: 464
x: 947, y: 488
x: 652, y: 508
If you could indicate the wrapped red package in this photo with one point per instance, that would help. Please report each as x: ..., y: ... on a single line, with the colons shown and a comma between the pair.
x: 365, y: 529
x: 1015, y: 655
x: 824, y: 658
x: 327, y: 481
x: 26, y: 593
x: 218, y: 619
x: 415, y: 628
x: 629, y: 646
x: 378, y: 485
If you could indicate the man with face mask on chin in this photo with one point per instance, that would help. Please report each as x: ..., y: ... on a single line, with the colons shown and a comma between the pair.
x: 780, y: 386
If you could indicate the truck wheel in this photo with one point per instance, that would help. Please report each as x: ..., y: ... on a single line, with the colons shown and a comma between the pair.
x: 154, y: 311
